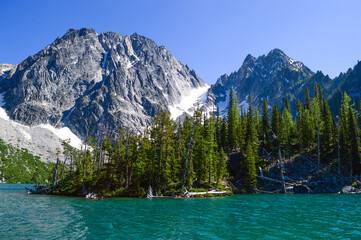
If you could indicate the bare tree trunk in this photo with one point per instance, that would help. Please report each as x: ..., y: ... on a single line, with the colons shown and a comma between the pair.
x: 282, y: 176
x: 55, y: 172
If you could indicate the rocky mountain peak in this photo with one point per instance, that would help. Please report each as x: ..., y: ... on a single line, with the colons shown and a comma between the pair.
x: 88, y: 81
x: 269, y: 76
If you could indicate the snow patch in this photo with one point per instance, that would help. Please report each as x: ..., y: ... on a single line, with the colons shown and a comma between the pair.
x: 287, y: 80
x: 104, y: 59
x: 64, y: 133
x: 4, y: 115
x: 26, y: 135
x: 188, y: 100
x: 224, y: 104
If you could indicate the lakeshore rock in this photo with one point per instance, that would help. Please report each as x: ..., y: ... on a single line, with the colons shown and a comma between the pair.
x: 348, y: 189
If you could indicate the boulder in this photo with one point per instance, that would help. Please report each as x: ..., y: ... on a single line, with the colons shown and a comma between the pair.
x: 348, y: 189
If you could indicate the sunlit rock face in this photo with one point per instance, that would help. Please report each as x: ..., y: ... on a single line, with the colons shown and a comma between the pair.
x: 95, y: 83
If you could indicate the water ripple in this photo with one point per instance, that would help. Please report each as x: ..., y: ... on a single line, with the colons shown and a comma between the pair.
x: 326, y: 216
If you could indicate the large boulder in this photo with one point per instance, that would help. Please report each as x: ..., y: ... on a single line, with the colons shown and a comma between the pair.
x: 348, y: 189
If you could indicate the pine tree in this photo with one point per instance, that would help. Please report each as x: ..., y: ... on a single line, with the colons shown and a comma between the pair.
x: 265, y: 137
x: 299, y: 112
x: 221, y: 165
x: 251, y: 131
x: 287, y: 130
x: 307, y: 99
x: 306, y: 129
x: 162, y: 136
x: 359, y: 114
x: 345, y: 144
x: 233, y: 120
x: 249, y: 169
x: 327, y: 136
x: 287, y: 104
x: 275, y: 122
x: 354, y: 141
x: 223, y: 134
x: 218, y: 127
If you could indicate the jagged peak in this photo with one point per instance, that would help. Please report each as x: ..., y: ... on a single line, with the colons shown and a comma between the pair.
x: 276, y: 51
x: 249, y: 58
x: 71, y: 33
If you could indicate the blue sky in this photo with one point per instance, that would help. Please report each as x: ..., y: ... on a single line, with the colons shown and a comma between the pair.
x: 212, y: 37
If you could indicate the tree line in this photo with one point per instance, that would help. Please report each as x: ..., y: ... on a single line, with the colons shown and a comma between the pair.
x: 168, y: 156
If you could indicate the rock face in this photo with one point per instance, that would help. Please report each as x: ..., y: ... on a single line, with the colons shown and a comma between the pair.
x: 96, y: 83
x: 4, y: 67
x: 269, y: 76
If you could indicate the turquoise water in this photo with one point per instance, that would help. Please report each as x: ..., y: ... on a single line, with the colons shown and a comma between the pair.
x: 323, y: 216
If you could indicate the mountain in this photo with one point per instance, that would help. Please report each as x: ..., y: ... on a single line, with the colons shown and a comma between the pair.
x: 270, y: 76
x: 95, y: 83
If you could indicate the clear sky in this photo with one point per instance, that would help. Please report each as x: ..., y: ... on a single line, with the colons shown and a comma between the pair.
x: 212, y: 37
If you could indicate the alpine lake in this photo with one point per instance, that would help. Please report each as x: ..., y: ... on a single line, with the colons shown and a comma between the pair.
x: 266, y: 216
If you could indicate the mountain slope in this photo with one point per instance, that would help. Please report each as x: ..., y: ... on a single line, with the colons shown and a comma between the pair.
x: 96, y: 83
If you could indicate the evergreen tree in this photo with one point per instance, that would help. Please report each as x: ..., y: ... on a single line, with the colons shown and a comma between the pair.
x: 327, y: 136
x: 251, y: 131
x: 221, y: 165
x: 354, y: 141
x: 307, y: 99
x: 249, y: 169
x: 287, y: 130
x: 223, y: 134
x: 233, y: 120
x: 345, y: 144
x: 306, y: 130
x: 162, y: 136
x: 275, y: 122
x: 359, y: 114
x: 299, y: 112
x: 265, y: 137
x: 287, y: 104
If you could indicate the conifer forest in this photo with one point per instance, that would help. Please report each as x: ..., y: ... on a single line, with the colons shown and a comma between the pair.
x: 207, y: 150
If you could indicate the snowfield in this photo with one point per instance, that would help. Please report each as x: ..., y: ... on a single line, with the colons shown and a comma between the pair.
x: 188, y: 101
x: 62, y: 133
